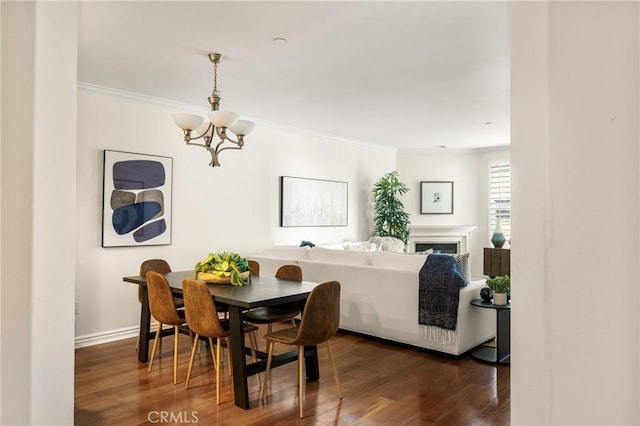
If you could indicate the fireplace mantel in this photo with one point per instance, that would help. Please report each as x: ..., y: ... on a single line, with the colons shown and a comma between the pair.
x: 459, y: 234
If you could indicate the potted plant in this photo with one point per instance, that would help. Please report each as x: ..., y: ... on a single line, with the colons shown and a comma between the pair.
x: 500, y: 287
x: 223, y: 268
x: 390, y: 218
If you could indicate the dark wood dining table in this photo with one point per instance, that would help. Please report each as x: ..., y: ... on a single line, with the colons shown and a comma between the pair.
x: 262, y: 291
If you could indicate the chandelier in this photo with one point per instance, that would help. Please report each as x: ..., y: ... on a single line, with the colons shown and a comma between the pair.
x: 220, y: 124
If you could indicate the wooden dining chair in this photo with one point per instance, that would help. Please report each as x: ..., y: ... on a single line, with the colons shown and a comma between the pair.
x: 320, y: 320
x: 163, y: 309
x: 254, y: 267
x: 203, y: 320
x: 156, y: 265
x: 272, y: 314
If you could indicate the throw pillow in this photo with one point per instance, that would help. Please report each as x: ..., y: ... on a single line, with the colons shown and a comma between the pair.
x: 388, y: 244
x: 360, y: 246
x: 428, y: 251
x: 463, y: 262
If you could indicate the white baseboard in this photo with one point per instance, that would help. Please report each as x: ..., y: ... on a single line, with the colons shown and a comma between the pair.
x: 106, y: 336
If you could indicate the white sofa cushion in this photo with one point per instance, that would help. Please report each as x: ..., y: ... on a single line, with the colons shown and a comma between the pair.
x: 341, y: 257
x: 332, y: 246
x: 399, y: 261
x: 288, y: 252
x: 360, y: 246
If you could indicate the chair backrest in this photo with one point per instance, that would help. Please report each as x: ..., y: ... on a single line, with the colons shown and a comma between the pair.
x: 321, y: 315
x: 289, y: 273
x: 161, y: 303
x: 254, y: 267
x: 200, y: 309
x: 156, y: 265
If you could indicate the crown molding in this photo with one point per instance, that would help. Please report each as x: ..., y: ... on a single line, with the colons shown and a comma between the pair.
x: 264, y: 123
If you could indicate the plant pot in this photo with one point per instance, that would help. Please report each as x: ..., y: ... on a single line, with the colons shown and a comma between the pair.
x: 499, y: 298
x: 212, y: 278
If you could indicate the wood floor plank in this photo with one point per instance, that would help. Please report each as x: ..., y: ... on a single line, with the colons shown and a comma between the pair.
x: 382, y: 384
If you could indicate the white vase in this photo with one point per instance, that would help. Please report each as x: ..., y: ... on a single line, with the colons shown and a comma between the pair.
x: 499, y: 298
x: 497, y: 239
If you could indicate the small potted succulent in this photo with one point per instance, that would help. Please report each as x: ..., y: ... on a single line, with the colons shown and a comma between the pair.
x: 223, y: 268
x: 500, y: 287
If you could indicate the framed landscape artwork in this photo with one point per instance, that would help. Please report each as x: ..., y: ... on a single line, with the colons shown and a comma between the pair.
x: 436, y: 197
x: 312, y: 202
x: 136, y: 205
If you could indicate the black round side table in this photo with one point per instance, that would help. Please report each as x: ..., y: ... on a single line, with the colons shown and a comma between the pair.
x: 501, y: 354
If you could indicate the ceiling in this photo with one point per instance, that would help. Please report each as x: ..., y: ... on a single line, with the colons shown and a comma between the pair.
x: 411, y: 75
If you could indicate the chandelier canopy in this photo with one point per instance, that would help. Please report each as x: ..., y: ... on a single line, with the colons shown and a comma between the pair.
x: 220, y: 124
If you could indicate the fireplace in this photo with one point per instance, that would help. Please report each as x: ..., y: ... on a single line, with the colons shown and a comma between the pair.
x: 445, y: 238
x: 450, y: 248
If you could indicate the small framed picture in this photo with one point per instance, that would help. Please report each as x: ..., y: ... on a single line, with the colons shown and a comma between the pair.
x: 436, y: 197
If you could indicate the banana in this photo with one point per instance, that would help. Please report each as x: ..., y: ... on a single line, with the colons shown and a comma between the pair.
x: 209, y: 276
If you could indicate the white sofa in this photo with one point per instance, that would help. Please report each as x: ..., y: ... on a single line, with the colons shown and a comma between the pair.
x: 379, y: 295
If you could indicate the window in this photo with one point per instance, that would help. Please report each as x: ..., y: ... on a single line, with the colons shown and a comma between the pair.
x: 500, y: 197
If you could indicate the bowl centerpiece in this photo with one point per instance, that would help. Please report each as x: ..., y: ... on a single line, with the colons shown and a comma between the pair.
x: 223, y: 268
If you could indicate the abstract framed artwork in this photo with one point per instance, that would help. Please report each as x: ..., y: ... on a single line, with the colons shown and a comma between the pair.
x: 436, y: 197
x: 312, y: 202
x: 136, y: 205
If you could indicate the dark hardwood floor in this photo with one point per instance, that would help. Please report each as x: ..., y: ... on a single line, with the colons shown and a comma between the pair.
x: 383, y: 384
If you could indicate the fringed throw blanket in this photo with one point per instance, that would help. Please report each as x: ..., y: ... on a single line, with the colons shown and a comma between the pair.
x: 440, y: 280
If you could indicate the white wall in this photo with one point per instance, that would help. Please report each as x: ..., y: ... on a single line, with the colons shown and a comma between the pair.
x: 17, y: 23
x: 575, y: 155
x: 469, y: 171
x: 1, y: 258
x: 39, y: 48
x: 234, y: 207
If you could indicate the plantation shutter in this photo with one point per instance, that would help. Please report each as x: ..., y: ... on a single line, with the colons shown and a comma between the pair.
x: 500, y: 197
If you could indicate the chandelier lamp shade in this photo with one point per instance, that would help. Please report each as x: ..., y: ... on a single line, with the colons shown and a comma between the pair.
x: 222, y: 131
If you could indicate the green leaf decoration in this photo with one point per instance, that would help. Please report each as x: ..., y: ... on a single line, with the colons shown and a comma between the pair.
x: 499, y: 284
x: 226, y: 264
x: 390, y: 220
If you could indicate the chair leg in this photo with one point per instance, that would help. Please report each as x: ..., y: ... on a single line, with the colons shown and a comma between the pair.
x: 301, y: 378
x: 193, y: 354
x: 155, y: 346
x: 213, y: 356
x: 175, y: 354
x: 268, y: 370
x: 335, y: 369
x: 229, y: 357
x: 194, y: 340
x: 218, y: 355
x: 137, y: 343
x: 254, y: 348
x: 269, y: 328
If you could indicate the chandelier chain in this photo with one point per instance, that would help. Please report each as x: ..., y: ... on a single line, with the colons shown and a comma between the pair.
x: 215, y: 80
